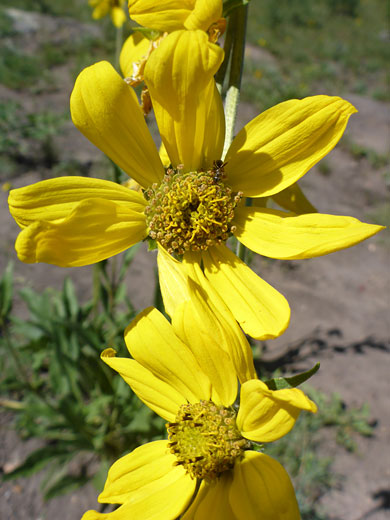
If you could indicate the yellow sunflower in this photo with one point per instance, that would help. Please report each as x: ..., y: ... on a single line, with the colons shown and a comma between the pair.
x: 208, y: 467
x: 102, y: 8
x: 192, y: 207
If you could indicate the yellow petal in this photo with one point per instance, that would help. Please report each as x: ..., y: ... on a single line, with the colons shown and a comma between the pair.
x: 261, y: 488
x: 293, y: 199
x: 260, y: 309
x: 164, y: 15
x: 96, y: 229
x: 280, y: 145
x: 195, y: 325
x: 133, y: 472
x: 105, y: 109
x: 54, y: 199
x: 205, y: 13
x: 212, y: 500
x: 186, y: 103
x: 277, y: 235
x: 174, y: 279
x: 267, y: 415
x: 152, y: 342
x: 134, y: 49
x: 159, y: 396
x: 166, y: 496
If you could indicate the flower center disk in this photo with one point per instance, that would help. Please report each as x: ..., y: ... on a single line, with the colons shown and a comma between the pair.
x: 191, y: 211
x: 205, y: 439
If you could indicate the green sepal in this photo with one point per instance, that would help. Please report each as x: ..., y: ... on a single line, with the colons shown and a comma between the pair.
x: 150, y: 34
x: 278, y: 383
x: 152, y: 244
x: 230, y: 5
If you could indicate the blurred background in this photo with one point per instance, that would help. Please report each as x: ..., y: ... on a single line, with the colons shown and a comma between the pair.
x: 63, y: 416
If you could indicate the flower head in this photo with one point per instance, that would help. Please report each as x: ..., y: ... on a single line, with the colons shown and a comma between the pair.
x: 207, y: 467
x: 194, y: 205
x: 112, y: 7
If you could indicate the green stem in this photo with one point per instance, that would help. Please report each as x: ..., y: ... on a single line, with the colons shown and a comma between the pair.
x: 227, y: 47
x: 236, y: 67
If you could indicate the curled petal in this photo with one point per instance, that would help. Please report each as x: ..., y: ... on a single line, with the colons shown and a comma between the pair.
x: 280, y: 145
x: 187, y: 105
x: 205, y: 13
x: 267, y: 415
x: 278, y: 235
x: 164, y: 15
x: 106, y: 110
x: 96, y: 229
x: 261, y: 488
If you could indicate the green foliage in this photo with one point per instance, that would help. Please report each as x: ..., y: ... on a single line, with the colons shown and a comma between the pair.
x: 28, y: 137
x: 278, y: 383
x: 65, y: 395
x: 328, y: 46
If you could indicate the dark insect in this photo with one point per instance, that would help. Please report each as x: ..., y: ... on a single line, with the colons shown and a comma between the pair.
x: 218, y: 170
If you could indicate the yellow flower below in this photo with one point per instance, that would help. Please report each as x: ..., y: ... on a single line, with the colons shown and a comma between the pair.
x: 207, y: 467
x: 112, y: 7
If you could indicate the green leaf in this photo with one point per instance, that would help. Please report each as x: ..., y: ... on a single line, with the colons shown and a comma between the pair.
x: 6, y: 292
x: 230, y: 5
x: 70, y: 298
x: 278, y: 383
x: 150, y: 34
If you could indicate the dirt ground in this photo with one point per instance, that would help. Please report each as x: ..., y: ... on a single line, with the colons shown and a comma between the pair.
x: 340, y: 310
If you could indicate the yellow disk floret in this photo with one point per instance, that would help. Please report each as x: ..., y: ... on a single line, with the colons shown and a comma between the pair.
x: 205, y: 439
x: 191, y: 211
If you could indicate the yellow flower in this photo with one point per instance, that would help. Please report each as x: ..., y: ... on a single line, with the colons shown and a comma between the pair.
x: 207, y: 468
x: 112, y: 7
x: 165, y: 16
x: 173, y: 15
x: 194, y: 206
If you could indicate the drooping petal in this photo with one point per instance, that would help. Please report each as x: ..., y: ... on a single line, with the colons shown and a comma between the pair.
x: 293, y: 199
x: 164, y: 15
x: 277, y: 235
x: 195, y: 325
x: 212, y: 500
x: 187, y: 105
x: 148, y: 485
x: 134, y: 49
x: 96, y: 229
x: 261, y: 310
x: 280, y: 145
x: 152, y: 342
x: 261, y: 488
x: 204, y: 14
x: 267, y: 415
x: 155, y: 393
x: 174, y: 279
x: 105, y: 109
x: 54, y: 199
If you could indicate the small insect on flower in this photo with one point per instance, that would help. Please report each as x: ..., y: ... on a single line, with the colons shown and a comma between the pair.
x: 219, y: 170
